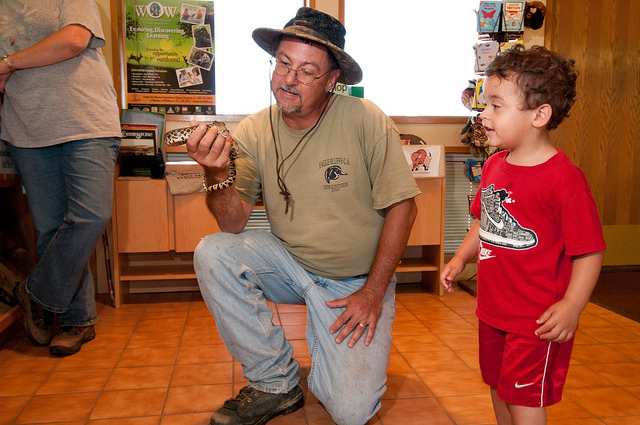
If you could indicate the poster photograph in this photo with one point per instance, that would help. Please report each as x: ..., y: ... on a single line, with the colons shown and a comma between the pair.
x: 170, y: 56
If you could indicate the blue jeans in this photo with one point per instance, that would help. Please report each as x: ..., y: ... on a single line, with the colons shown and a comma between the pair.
x: 238, y: 273
x: 69, y: 188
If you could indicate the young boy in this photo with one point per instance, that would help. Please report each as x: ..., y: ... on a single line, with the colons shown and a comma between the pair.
x: 538, y: 237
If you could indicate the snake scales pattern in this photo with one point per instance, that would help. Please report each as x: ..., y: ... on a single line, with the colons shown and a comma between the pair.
x: 179, y: 137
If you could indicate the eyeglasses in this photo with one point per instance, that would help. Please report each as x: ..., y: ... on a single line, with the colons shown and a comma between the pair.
x: 305, y: 77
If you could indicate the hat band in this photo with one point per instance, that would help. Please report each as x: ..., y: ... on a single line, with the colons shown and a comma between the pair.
x: 322, y: 38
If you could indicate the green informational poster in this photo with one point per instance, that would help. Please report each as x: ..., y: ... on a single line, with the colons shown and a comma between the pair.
x: 169, y: 53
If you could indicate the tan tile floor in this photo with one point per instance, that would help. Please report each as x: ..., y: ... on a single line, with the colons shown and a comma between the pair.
x: 159, y: 360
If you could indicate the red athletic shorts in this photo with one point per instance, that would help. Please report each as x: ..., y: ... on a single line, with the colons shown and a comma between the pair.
x: 527, y: 371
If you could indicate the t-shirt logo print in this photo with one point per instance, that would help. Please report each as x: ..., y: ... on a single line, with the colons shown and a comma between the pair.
x: 333, y: 172
x: 498, y: 227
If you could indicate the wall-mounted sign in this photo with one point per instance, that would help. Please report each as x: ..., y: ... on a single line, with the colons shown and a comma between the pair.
x: 425, y: 160
x: 169, y: 56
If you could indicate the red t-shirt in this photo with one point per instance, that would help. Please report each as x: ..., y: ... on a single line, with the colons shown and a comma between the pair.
x: 532, y: 221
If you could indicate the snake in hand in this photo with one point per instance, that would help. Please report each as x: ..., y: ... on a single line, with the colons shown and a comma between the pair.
x: 179, y: 137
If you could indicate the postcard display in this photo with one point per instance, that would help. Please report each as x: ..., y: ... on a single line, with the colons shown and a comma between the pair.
x: 500, y: 25
x: 169, y: 53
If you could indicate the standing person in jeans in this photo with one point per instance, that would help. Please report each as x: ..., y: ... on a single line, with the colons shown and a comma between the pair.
x: 60, y: 120
x: 339, y: 198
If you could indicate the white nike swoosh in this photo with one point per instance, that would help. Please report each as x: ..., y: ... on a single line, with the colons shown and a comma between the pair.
x: 499, y: 225
x: 523, y: 385
x: 486, y: 257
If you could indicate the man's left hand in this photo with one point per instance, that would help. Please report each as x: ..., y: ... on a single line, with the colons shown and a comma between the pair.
x: 361, y: 314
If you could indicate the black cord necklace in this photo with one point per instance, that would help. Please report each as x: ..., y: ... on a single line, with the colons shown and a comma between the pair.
x: 284, y: 191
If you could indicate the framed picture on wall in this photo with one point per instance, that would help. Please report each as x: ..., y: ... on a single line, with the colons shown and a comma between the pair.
x: 425, y: 160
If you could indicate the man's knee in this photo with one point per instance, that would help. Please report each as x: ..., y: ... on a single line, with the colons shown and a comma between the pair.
x: 352, y: 410
x: 349, y: 403
x: 209, y: 249
x: 208, y: 259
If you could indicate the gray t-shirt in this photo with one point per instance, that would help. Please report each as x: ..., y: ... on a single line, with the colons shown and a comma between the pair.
x: 341, y: 178
x: 70, y: 100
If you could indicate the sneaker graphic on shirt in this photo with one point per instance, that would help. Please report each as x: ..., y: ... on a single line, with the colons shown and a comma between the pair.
x: 498, y: 227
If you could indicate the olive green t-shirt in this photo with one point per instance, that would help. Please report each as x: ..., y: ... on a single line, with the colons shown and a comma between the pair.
x: 341, y: 177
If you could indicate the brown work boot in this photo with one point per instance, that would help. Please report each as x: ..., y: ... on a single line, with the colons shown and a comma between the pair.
x: 69, y: 339
x: 254, y: 407
x: 38, y: 322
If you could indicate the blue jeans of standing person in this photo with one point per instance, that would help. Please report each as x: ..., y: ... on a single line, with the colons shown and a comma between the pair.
x: 69, y: 188
x: 238, y: 273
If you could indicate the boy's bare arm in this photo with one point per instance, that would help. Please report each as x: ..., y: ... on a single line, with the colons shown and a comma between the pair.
x: 560, y: 321
x: 467, y: 250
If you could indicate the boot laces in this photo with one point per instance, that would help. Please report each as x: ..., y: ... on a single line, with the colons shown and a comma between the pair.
x: 243, y: 395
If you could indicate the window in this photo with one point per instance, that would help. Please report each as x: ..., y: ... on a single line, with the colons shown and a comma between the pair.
x: 242, y: 68
x: 460, y: 190
x: 416, y: 56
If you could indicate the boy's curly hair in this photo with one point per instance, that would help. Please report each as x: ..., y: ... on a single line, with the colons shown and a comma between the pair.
x: 543, y: 77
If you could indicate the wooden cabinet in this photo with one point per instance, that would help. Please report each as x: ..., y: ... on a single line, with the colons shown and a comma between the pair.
x: 192, y: 222
x: 17, y: 248
x: 143, y: 215
x: 428, y: 233
x: 155, y: 234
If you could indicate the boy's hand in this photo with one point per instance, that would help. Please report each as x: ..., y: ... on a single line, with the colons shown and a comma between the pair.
x: 465, y: 252
x: 559, y: 322
x: 451, y: 270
